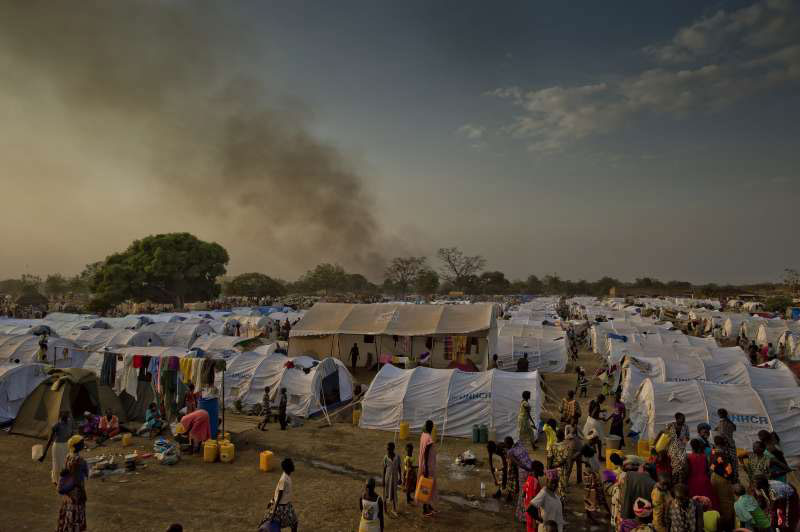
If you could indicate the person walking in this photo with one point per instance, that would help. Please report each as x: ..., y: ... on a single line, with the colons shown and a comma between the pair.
x: 354, y: 357
x: 280, y: 510
x: 678, y: 434
x: 72, y: 515
x: 427, y: 466
x: 282, y: 409
x: 266, y: 409
x: 525, y: 421
x: 392, y: 475
x: 59, y: 436
x: 371, y: 506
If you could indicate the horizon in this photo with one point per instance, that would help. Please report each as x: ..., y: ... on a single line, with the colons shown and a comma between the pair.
x: 585, y: 141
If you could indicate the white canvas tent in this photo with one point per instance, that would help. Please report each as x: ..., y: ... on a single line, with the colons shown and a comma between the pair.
x: 657, y: 404
x: 546, y: 346
x: 217, y: 343
x: 454, y: 400
x: 328, y: 382
x: 17, y: 381
x: 97, y: 339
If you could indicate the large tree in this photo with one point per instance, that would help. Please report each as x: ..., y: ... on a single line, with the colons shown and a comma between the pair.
x: 427, y: 282
x: 458, y: 269
x: 56, y: 285
x: 494, y: 283
x: 169, y: 268
x: 254, y: 285
x: 324, y: 278
x: 402, y: 272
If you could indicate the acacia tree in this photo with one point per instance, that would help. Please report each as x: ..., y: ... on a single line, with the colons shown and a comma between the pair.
x: 427, y: 282
x: 458, y: 269
x: 324, y: 277
x: 402, y: 272
x: 169, y: 268
x: 254, y: 285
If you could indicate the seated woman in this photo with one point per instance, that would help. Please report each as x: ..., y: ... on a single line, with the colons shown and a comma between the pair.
x: 108, y: 426
x: 153, y: 424
x: 89, y: 426
x: 198, y: 427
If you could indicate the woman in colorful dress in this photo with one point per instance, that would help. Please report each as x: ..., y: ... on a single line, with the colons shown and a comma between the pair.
x: 531, y: 489
x: 559, y: 457
x: 726, y: 428
x: 594, y: 499
x: 72, y: 515
x: 678, y: 434
x: 280, y: 511
x: 698, y: 471
x: 683, y: 514
x: 721, y: 475
x: 518, y: 456
x: 525, y: 420
x: 781, y: 502
x: 427, y: 465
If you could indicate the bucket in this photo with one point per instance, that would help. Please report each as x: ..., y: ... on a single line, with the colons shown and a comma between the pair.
x: 265, y: 460
x: 227, y: 451
x: 210, y: 449
x: 484, y: 430
x: 227, y: 436
x: 613, y: 442
x: 356, y: 417
x: 609, y: 452
x: 211, y: 405
x: 643, y: 448
x: 476, y: 434
x: 404, y: 429
x: 126, y: 439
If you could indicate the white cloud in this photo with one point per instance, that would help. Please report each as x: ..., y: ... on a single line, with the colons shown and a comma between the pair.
x: 471, y: 131
x: 735, y: 54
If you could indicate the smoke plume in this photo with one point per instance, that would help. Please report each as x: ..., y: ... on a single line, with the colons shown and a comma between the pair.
x: 145, y: 116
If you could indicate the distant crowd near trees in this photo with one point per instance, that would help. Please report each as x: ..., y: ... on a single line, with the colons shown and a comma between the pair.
x: 178, y: 268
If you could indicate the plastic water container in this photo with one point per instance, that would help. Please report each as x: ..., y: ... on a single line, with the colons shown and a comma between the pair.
x: 211, y: 405
x: 227, y: 452
x: 424, y: 489
x: 210, y: 449
x: 126, y: 439
x: 356, y: 416
x: 266, y: 460
x: 484, y: 430
x: 609, y: 452
x: 643, y: 448
x: 404, y: 430
x: 476, y: 434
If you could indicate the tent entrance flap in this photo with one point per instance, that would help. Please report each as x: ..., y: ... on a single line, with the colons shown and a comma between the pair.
x: 330, y: 389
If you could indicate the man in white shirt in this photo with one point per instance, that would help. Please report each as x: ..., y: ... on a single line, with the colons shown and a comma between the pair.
x: 546, y: 506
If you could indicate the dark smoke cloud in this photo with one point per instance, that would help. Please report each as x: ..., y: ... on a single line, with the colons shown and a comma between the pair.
x: 158, y: 88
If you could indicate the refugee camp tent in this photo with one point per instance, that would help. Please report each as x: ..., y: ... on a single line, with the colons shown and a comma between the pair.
x: 23, y: 348
x: 74, y: 390
x: 128, y: 322
x: 772, y: 331
x: 68, y: 316
x: 657, y: 403
x: 545, y: 345
x: 178, y: 334
x: 732, y: 325
x: 435, y: 333
x: 17, y: 381
x: 217, y: 343
x: 98, y: 339
x: 454, y: 400
x: 249, y: 326
x: 783, y: 409
x: 311, y: 385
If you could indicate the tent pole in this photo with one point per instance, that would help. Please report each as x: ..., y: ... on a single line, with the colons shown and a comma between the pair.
x: 223, y: 402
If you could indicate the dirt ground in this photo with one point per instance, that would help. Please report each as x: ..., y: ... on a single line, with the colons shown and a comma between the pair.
x: 332, y: 463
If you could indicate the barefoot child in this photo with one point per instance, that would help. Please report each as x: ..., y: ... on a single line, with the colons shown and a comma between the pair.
x: 392, y: 475
x: 409, y: 473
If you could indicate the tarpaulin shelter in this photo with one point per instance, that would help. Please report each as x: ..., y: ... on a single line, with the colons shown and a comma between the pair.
x: 211, y: 343
x: 128, y: 322
x: 17, y: 381
x: 73, y: 390
x: 311, y: 384
x: 24, y: 348
x: 178, y: 334
x: 454, y: 400
x: 657, y: 403
x: 772, y: 331
x: 546, y: 347
x: 443, y: 332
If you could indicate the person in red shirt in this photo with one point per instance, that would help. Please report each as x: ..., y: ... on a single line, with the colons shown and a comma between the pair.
x: 108, y: 426
x: 190, y: 399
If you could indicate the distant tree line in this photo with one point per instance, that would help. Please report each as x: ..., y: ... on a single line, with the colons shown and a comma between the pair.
x: 178, y: 268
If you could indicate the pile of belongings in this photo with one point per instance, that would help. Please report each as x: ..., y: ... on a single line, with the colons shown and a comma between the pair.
x: 167, y: 453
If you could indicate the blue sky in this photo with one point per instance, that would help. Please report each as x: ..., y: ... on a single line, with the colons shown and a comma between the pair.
x: 582, y: 138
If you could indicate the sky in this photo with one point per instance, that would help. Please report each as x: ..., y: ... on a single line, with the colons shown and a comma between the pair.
x: 584, y: 139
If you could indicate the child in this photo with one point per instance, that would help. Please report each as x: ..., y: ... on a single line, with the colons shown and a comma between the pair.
x: 409, y: 473
x: 748, y: 512
x: 266, y: 409
x: 392, y: 476
x: 583, y: 383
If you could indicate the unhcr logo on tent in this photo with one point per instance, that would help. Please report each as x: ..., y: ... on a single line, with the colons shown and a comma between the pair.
x: 749, y: 418
x: 470, y: 396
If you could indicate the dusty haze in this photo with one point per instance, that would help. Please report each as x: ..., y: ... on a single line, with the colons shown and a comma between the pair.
x: 124, y: 119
